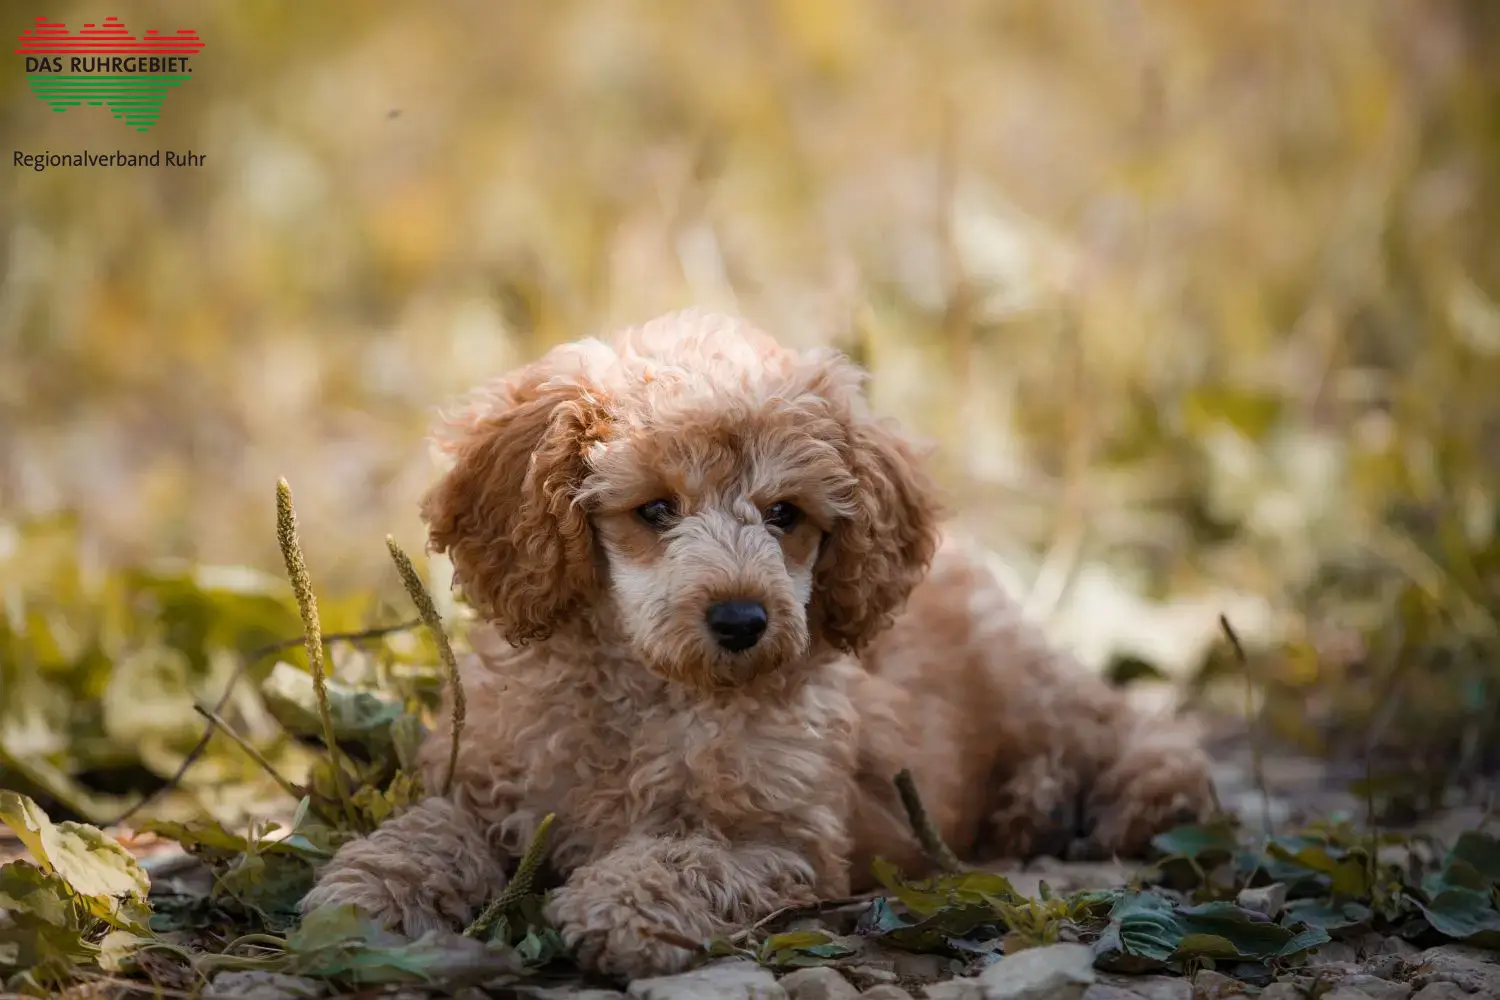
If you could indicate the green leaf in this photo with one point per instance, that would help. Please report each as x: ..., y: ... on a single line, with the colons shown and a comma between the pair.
x: 1253, y: 935
x: 1299, y: 851
x: 541, y: 946
x: 403, y: 790
x: 46, y: 923
x: 117, y: 950
x: 1337, y: 919
x: 1211, y: 842
x: 363, y: 718
x: 106, y: 878
x: 199, y: 837
x: 934, y: 934
x: 309, y: 840
x: 1146, y: 927
x: 39, y: 945
x: 268, y: 884
x: 799, y: 949
x: 1481, y: 852
x: 1473, y: 863
x: 928, y: 896
x: 1464, y: 915
x: 1346, y: 872
x: 25, y: 888
x: 340, y: 942
x: 1147, y: 931
x: 795, y: 940
x: 1206, y: 946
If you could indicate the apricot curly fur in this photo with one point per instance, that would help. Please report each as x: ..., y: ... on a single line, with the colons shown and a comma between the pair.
x: 697, y: 788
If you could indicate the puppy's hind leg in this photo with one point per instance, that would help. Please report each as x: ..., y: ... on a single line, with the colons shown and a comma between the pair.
x: 1159, y: 779
x: 1078, y: 771
x: 1034, y: 811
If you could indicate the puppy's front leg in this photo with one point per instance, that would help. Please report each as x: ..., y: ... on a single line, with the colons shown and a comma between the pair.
x: 426, y: 869
x: 696, y: 887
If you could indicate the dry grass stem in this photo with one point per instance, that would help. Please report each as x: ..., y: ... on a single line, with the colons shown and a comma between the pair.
x: 434, y: 622
x: 249, y: 748
x: 1257, y: 752
x: 522, y: 883
x: 307, y: 604
x: 938, y: 852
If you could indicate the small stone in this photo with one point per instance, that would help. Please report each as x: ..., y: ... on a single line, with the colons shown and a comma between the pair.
x: 569, y: 992
x: 1334, y: 953
x: 1148, y: 987
x: 1104, y: 991
x: 1054, y: 972
x: 1211, y: 985
x: 1399, y: 947
x: 865, y: 976
x: 255, y: 985
x: 955, y: 989
x: 1265, y: 899
x: 1472, y: 969
x: 1441, y: 991
x: 885, y: 991
x: 818, y: 983
x: 1376, y: 988
x: 1384, y: 966
x: 1342, y: 992
x: 1282, y: 991
x: 921, y: 967
x: 732, y: 979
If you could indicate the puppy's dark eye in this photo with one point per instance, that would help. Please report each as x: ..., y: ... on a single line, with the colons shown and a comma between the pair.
x: 658, y: 514
x: 783, y: 515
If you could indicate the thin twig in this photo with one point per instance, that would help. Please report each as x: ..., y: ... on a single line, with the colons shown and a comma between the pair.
x: 378, y: 632
x: 938, y: 852
x: 307, y: 603
x: 434, y: 622
x: 249, y: 749
x: 1257, y: 760
x: 247, y: 661
x: 798, y: 910
x: 521, y: 883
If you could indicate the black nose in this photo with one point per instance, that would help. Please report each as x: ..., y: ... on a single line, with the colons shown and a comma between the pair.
x: 737, y: 625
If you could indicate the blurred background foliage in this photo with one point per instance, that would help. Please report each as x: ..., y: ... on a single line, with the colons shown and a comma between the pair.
x: 1198, y: 301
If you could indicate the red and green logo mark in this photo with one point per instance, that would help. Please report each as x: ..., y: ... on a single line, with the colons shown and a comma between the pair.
x: 106, y: 65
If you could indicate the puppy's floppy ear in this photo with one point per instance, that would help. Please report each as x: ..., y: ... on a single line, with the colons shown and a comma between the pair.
x: 522, y: 549
x: 871, y: 560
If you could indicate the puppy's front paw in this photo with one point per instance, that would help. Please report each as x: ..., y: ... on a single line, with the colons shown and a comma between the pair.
x: 616, y: 935
x: 1149, y: 790
x: 427, y: 869
x: 374, y: 897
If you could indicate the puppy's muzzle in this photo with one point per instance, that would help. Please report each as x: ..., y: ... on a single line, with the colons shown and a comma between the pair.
x: 737, y: 625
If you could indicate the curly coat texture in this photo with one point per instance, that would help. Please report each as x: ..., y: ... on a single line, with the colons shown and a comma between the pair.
x: 698, y: 788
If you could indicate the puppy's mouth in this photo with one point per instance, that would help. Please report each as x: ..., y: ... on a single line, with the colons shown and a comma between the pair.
x: 737, y: 670
x: 709, y: 666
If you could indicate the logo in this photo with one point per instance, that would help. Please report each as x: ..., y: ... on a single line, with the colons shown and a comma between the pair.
x: 106, y: 65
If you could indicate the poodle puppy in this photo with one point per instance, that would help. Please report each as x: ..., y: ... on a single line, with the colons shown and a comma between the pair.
x: 718, y: 616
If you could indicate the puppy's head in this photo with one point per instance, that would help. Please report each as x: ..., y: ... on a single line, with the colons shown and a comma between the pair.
x: 724, y: 502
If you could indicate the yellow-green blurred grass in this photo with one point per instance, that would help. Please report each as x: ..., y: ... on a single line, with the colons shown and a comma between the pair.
x: 1196, y: 291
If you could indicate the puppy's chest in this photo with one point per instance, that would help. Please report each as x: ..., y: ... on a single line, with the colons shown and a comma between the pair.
x: 673, y: 769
